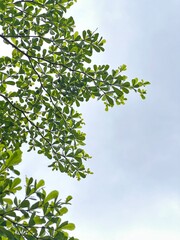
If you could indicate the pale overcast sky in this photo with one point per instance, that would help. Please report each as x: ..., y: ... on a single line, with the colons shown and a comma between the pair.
x: 134, y: 193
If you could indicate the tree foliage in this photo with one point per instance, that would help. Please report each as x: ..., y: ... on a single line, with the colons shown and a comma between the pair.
x: 38, y: 215
x: 42, y: 82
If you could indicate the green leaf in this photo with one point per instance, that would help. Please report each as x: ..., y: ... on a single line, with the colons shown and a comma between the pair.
x: 16, y: 182
x: 6, y: 233
x: 134, y: 81
x: 86, y: 59
x: 84, y: 34
x: 52, y: 195
x: 63, y: 211
x: 118, y: 92
x: 30, y: 237
x: 68, y: 199
x: 68, y: 226
x: 2, y: 6
x: 24, y: 204
x: 31, y: 220
x: 14, y: 159
x: 35, y: 205
x: 8, y: 201
x: 125, y: 90
x: 123, y: 68
x: 39, y: 220
x: 16, y: 201
x: 96, y: 48
x: 10, y: 82
x: 110, y: 100
x: 76, y: 34
x: 40, y: 184
x: 66, y: 109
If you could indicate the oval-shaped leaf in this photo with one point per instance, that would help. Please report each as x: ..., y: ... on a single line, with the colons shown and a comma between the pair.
x: 14, y: 159
x: 52, y: 195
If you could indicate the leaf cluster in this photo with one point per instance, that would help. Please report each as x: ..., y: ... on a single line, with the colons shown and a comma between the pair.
x: 47, y: 76
x: 38, y: 215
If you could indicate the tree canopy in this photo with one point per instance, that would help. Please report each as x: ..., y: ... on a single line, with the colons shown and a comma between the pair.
x: 42, y: 82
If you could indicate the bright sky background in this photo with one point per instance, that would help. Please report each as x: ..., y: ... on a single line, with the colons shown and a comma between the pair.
x: 134, y: 193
